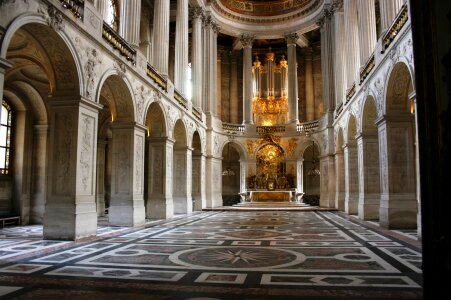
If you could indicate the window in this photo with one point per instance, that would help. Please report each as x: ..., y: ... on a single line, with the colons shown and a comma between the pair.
x: 5, y: 138
x: 112, y: 18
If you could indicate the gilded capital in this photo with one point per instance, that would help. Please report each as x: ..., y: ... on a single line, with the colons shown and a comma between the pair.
x: 291, y: 38
x: 246, y: 39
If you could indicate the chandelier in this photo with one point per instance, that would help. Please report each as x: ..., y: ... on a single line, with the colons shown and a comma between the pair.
x: 313, y: 171
x: 228, y: 171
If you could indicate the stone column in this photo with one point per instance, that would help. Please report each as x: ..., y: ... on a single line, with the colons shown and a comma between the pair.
x: 210, y: 66
x: 182, y: 180
x: 233, y: 113
x: 413, y: 99
x: 4, y: 65
x: 327, y: 181
x: 161, y: 36
x: 160, y: 204
x: 102, y: 7
x: 398, y: 206
x: 351, y: 178
x: 339, y: 181
x: 351, y: 46
x: 197, y: 56
x: 369, y: 188
x: 292, y: 78
x: 127, y: 178
x: 389, y: 10
x: 213, y: 181
x: 100, y: 198
x: 327, y: 66
x: 181, y: 46
x: 70, y: 208
x: 339, y: 56
x: 38, y: 193
x: 246, y: 41
x: 309, y: 94
x: 367, y: 29
x: 130, y: 15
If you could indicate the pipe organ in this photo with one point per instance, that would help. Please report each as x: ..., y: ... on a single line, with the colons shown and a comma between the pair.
x: 270, y: 90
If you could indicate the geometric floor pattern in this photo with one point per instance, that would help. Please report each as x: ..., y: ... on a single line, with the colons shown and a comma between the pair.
x: 215, y: 255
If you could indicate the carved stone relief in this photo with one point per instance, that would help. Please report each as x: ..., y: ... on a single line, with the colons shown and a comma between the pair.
x: 63, y: 152
x: 86, y: 154
x: 122, y: 166
x: 139, y: 164
x: 90, y: 68
x: 141, y: 98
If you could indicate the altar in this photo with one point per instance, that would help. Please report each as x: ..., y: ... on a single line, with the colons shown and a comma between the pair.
x: 286, y: 195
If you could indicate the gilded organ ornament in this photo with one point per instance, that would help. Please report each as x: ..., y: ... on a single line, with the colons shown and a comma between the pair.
x: 270, y: 91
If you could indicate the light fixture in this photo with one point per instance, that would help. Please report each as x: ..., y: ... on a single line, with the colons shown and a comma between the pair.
x: 313, y: 171
x: 228, y: 171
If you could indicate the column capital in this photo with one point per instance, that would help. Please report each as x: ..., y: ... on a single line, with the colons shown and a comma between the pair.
x: 325, y: 17
x: 291, y: 38
x: 196, y: 12
x: 246, y: 39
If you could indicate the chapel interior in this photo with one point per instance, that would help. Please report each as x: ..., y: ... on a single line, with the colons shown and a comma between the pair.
x: 219, y: 144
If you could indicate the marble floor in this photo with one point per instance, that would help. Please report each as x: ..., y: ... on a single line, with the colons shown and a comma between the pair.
x: 217, y: 255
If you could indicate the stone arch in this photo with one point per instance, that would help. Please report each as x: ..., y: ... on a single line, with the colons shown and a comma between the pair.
x: 156, y: 121
x: 396, y: 133
x: 351, y: 166
x: 182, y: 170
x: 44, y: 70
x: 118, y: 93
x: 311, y: 150
x: 198, y: 172
x: 368, y: 162
x: 399, y: 85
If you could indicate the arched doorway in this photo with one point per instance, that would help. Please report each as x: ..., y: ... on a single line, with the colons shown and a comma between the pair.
x: 182, y: 172
x: 230, y: 175
x: 311, y: 175
x: 198, y: 172
x: 158, y: 162
x: 368, y: 153
x: 351, y: 168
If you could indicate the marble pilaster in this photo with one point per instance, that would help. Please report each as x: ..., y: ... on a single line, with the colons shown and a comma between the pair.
x: 38, y: 192
x: 233, y: 90
x: 159, y: 200
x: 161, y: 36
x: 339, y: 181
x: 327, y: 181
x: 70, y: 208
x: 101, y: 159
x: 127, y: 177
x: 369, y: 188
x: 351, y: 178
x: 182, y: 183
x: 398, y: 205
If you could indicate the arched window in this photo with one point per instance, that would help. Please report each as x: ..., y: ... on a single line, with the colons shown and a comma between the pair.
x: 5, y: 137
x: 113, y: 14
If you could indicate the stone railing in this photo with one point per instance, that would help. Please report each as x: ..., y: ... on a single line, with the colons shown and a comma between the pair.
x: 307, y: 127
x: 118, y: 43
x: 395, y: 28
x: 153, y: 74
x: 270, y: 129
x: 350, y: 93
x: 180, y: 99
x: 339, y: 109
x: 369, y: 66
x: 75, y: 6
x: 198, y: 113
x: 233, y: 128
